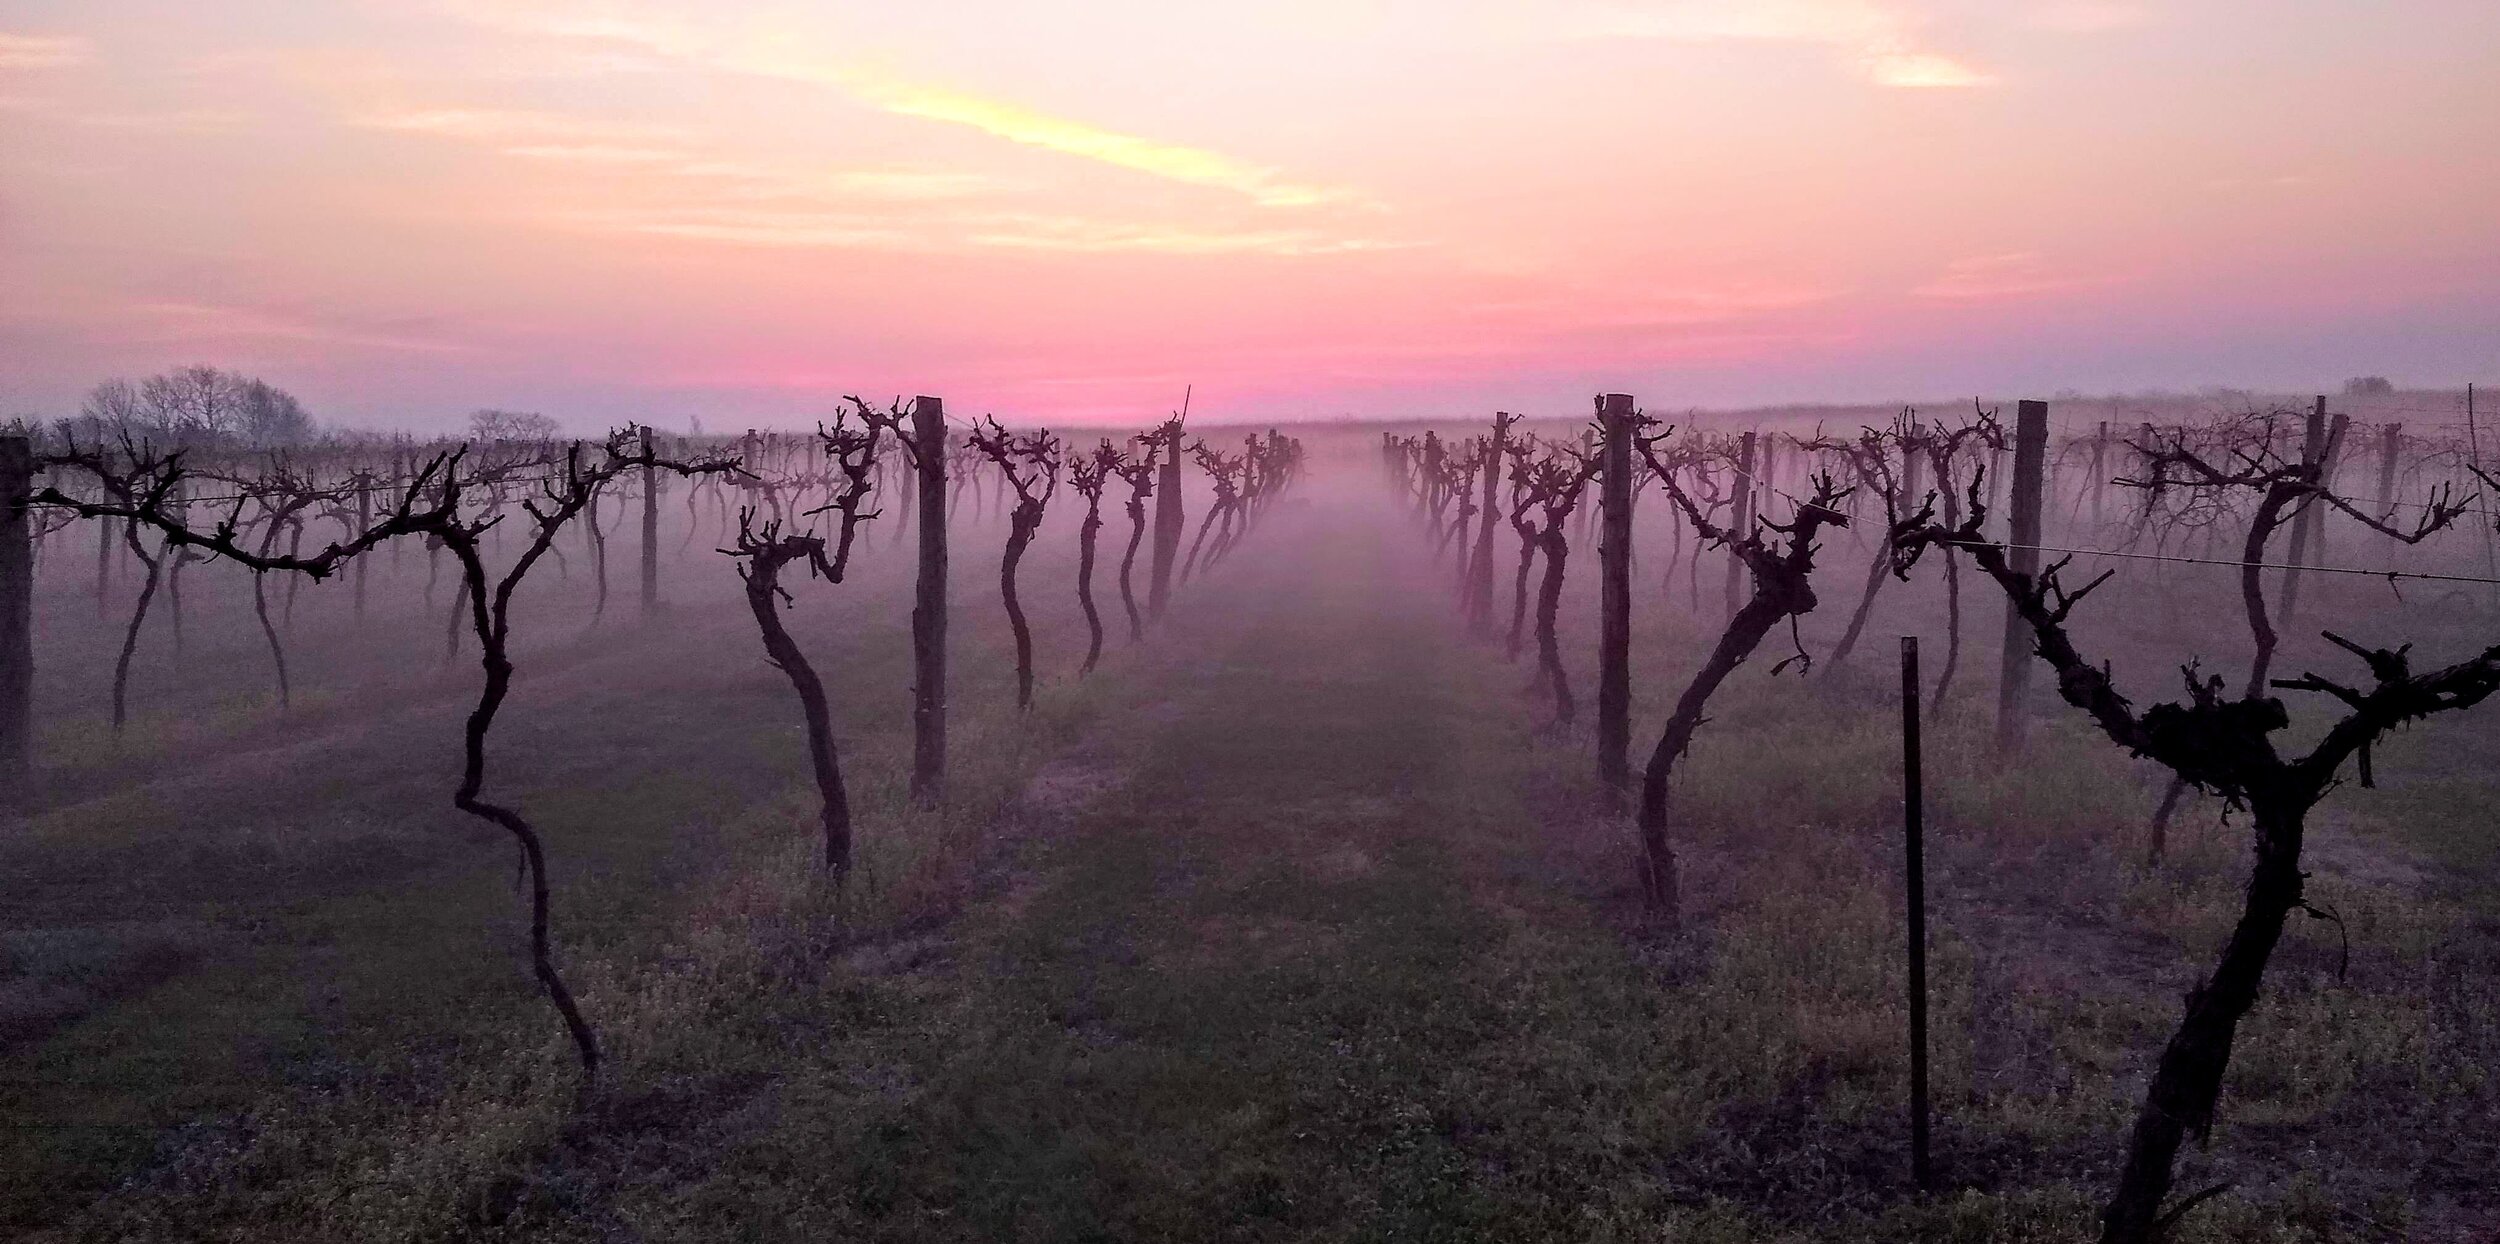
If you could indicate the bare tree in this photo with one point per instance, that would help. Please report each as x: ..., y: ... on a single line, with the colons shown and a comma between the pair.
x: 1524, y: 524
x: 1138, y: 471
x: 1871, y: 461
x: 283, y: 495
x: 433, y: 503
x: 1479, y: 594
x: 763, y: 555
x: 1086, y: 475
x: 115, y: 485
x: 2224, y: 745
x: 1555, y: 482
x: 2282, y: 489
x: 1782, y: 568
x: 1943, y: 448
x: 512, y: 425
x: 1224, y: 472
x: 1030, y: 466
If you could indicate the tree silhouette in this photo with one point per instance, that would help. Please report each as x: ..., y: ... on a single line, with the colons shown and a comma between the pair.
x: 1781, y: 565
x: 2224, y: 745
x: 1030, y: 466
x: 1086, y: 474
x: 433, y: 503
x: 763, y: 553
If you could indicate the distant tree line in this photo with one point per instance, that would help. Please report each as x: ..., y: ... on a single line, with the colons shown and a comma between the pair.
x: 209, y: 407
x: 197, y: 405
x: 512, y: 425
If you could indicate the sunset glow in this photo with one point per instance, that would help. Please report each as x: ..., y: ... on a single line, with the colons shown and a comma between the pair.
x: 733, y: 212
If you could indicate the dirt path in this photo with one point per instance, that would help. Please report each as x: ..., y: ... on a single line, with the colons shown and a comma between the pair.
x: 1247, y: 985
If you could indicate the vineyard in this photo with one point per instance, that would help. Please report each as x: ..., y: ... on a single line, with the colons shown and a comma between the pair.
x: 926, y: 828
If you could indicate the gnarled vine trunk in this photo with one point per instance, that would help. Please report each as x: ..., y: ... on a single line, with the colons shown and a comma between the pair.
x: 1085, y: 582
x: 138, y: 618
x: 1550, y: 672
x: 491, y: 635
x: 824, y: 762
x: 2188, y: 1080
x: 1128, y: 565
x: 1519, y: 593
x: 1021, y: 524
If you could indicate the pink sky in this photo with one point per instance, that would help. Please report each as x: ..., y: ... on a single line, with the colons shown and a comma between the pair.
x: 663, y: 208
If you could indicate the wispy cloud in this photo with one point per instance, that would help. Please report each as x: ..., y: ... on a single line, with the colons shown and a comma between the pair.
x: 1003, y: 119
x: 506, y: 126
x: 1884, y: 41
x: 43, y: 51
x: 1080, y: 234
x: 189, y: 322
x: 1922, y: 69
x: 1991, y: 278
x: 1688, y: 304
x: 2280, y: 181
x: 2091, y: 16
x: 817, y: 230
x: 676, y: 153
x: 595, y: 153
x: 1017, y: 124
x: 962, y: 230
x: 680, y: 189
x: 189, y: 121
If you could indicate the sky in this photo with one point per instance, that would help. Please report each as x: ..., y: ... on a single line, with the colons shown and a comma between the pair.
x: 668, y: 210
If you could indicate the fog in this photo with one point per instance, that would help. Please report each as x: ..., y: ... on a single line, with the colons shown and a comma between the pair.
x: 598, y: 839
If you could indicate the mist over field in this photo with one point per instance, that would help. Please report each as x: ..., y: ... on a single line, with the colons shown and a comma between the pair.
x: 1672, y: 620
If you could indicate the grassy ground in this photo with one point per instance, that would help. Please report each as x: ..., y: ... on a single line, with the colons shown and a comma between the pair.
x: 1295, y: 925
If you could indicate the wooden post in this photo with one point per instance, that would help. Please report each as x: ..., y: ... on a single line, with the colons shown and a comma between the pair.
x: 17, y: 623
x: 1914, y: 839
x: 1614, y: 596
x: 1585, y: 516
x: 2388, y: 443
x: 2031, y: 447
x: 2100, y: 454
x: 1742, y: 522
x: 1480, y: 563
x: 1767, y: 471
x: 2336, y: 426
x: 1170, y: 520
x: 928, y: 612
x: 2390, y: 436
x: 1436, y: 489
x: 2474, y: 458
x: 399, y: 475
x: 2304, y: 523
x: 103, y: 565
x: 650, y: 530
x: 1912, y: 460
x: 365, y: 483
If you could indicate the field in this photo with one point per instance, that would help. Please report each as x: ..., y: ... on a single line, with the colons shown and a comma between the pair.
x: 1299, y: 920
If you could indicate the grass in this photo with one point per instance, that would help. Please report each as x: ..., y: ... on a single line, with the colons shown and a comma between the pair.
x: 1293, y: 925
